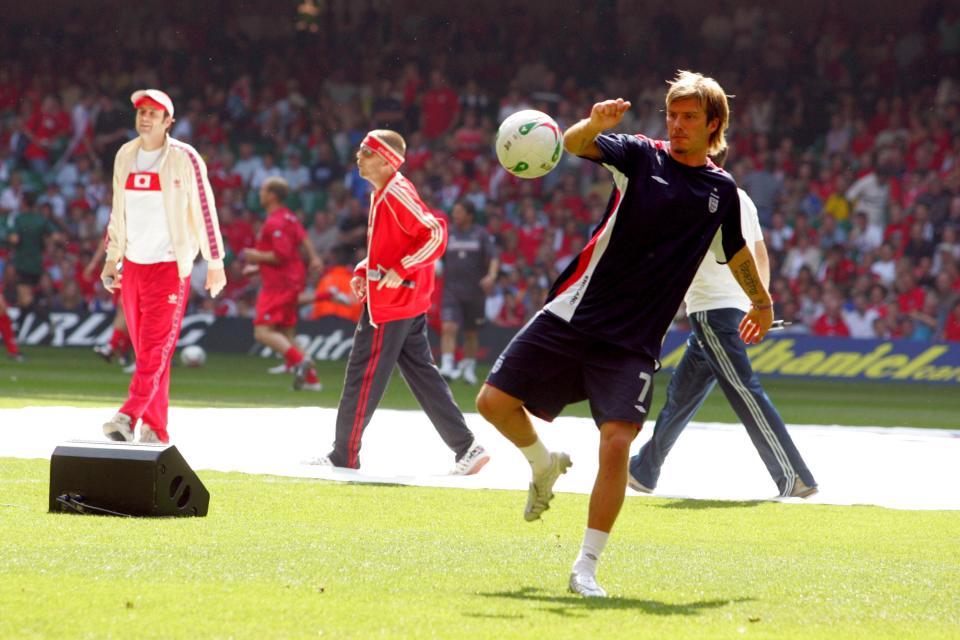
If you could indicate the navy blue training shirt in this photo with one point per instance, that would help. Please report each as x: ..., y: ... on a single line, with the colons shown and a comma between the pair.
x: 626, y: 285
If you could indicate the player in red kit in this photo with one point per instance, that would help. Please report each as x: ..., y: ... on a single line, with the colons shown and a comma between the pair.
x: 163, y: 215
x: 283, y: 276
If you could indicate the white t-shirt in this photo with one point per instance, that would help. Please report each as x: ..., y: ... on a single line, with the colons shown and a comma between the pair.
x: 861, y: 325
x: 714, y: 287
x: 148, y: 234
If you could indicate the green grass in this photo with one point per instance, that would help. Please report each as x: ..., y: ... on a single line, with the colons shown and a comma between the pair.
x: 76, y: 377
x: 296, y: 558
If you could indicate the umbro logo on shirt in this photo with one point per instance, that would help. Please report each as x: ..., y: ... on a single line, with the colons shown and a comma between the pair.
x: 172, y: 298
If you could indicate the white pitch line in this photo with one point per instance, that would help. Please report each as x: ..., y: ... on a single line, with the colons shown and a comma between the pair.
x: 900, y: 468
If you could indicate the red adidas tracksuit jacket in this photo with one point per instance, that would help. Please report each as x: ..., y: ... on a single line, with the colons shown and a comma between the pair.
x: 404, y: 236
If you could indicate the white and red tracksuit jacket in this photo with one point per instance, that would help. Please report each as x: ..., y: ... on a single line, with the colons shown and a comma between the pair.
x: 404, y: 236
x: 187, y: 201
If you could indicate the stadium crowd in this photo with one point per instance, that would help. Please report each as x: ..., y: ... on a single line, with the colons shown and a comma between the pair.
x: 845, y: 133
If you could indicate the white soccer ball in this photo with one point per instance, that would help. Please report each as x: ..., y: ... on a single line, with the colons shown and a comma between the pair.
x: 193, y: 356
x: 529, y: 144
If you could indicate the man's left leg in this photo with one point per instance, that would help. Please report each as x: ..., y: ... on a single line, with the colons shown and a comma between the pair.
x: 431, y: 391
x: 722, y: 346
x: 606, y: 499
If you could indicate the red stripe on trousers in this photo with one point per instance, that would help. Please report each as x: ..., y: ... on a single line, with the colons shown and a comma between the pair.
x: 353, y: 445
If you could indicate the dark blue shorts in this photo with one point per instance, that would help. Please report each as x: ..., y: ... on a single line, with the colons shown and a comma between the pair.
x: 549, y: 365
x: 466, y: 308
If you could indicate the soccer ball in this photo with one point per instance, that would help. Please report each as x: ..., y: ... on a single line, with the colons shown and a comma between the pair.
x: 193, y: 356
x: 529, y: 144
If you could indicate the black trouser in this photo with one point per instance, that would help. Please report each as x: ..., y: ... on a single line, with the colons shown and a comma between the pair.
x: 375, y: 351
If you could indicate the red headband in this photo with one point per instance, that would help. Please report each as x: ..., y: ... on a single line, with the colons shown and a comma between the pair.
x: 383, y: 150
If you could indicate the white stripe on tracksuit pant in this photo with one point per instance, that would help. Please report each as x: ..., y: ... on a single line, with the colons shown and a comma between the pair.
x: 715, y: 353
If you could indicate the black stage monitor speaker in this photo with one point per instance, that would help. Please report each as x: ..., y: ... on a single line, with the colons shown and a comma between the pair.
x: 120, y: 478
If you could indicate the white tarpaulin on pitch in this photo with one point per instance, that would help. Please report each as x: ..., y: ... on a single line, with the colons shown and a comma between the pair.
x: 901, y: 468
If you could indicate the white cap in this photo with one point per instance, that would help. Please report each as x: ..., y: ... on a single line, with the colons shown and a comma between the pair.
x: 156, y: 96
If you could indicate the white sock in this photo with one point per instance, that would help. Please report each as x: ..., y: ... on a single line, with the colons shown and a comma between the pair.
x: 469, y: 365
x: 594, y: 541
x: 446, y: 362
x: 538, y: 456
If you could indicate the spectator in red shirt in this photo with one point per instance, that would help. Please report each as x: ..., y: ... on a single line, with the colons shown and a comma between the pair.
x: 897, y: 230
x: 469, y: 140
x: 438, y: 108
x: 283, y: 277
x: 831, y: 323
x: 225, y: 176
x: 513, y: 313
x: 531, y: 233
x: 236, y: 227
x: 951, y: 329
x: 48, y: 130
x: 910, y: 297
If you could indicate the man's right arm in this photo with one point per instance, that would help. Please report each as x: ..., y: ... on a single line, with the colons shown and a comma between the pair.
x: 110, y: 275
x: 581, y: 139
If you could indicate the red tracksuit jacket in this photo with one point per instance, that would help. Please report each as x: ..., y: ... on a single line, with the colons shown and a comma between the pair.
x: 404, y: 236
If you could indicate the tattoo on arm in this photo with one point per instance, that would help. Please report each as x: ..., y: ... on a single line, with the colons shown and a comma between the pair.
x: 747, y: 281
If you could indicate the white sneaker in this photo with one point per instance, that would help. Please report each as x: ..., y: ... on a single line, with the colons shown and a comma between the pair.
x: 148, y: 435
x: 104, y: 351
x: 300, y: 374
x: 119, y: 428
x: 130, y: 368
x: 450, y: 374
x: 472, y: 461
x: 312, y: 386
x: 636, y: 485
x: 470, y: 377
x: 320, y: 461
x: 540, y: 492
x: 801, y: 490
x: 585, y: 585
x: 280, y: 369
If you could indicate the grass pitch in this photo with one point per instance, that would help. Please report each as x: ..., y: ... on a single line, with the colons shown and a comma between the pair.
x: 77, y: 377
x: 296, y: 558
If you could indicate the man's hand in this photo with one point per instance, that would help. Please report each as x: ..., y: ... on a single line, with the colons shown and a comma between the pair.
x: 581, y: 138
x: 216, y: 281
x: 487, y: 282
x: 391, y: 280
x: 316, y: 264
x: 756, y: 324
x: 358, y: 284
x: 110, y: 276
x: 608, y: 114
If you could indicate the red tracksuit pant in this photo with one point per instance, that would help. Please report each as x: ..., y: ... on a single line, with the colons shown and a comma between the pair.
x: 154, y: 298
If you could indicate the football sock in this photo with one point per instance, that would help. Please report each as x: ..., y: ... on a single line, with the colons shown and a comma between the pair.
x: 538, y: 456
x: 446, y: 362
x: 6, y: 332
x: 123, y: 341
x: 293, y: 357
x: 594, y: 541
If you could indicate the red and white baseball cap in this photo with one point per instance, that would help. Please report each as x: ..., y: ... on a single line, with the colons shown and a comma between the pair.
x: 152, y: 96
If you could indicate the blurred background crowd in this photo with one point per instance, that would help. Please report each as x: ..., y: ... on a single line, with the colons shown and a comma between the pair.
x: 845, y: 131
